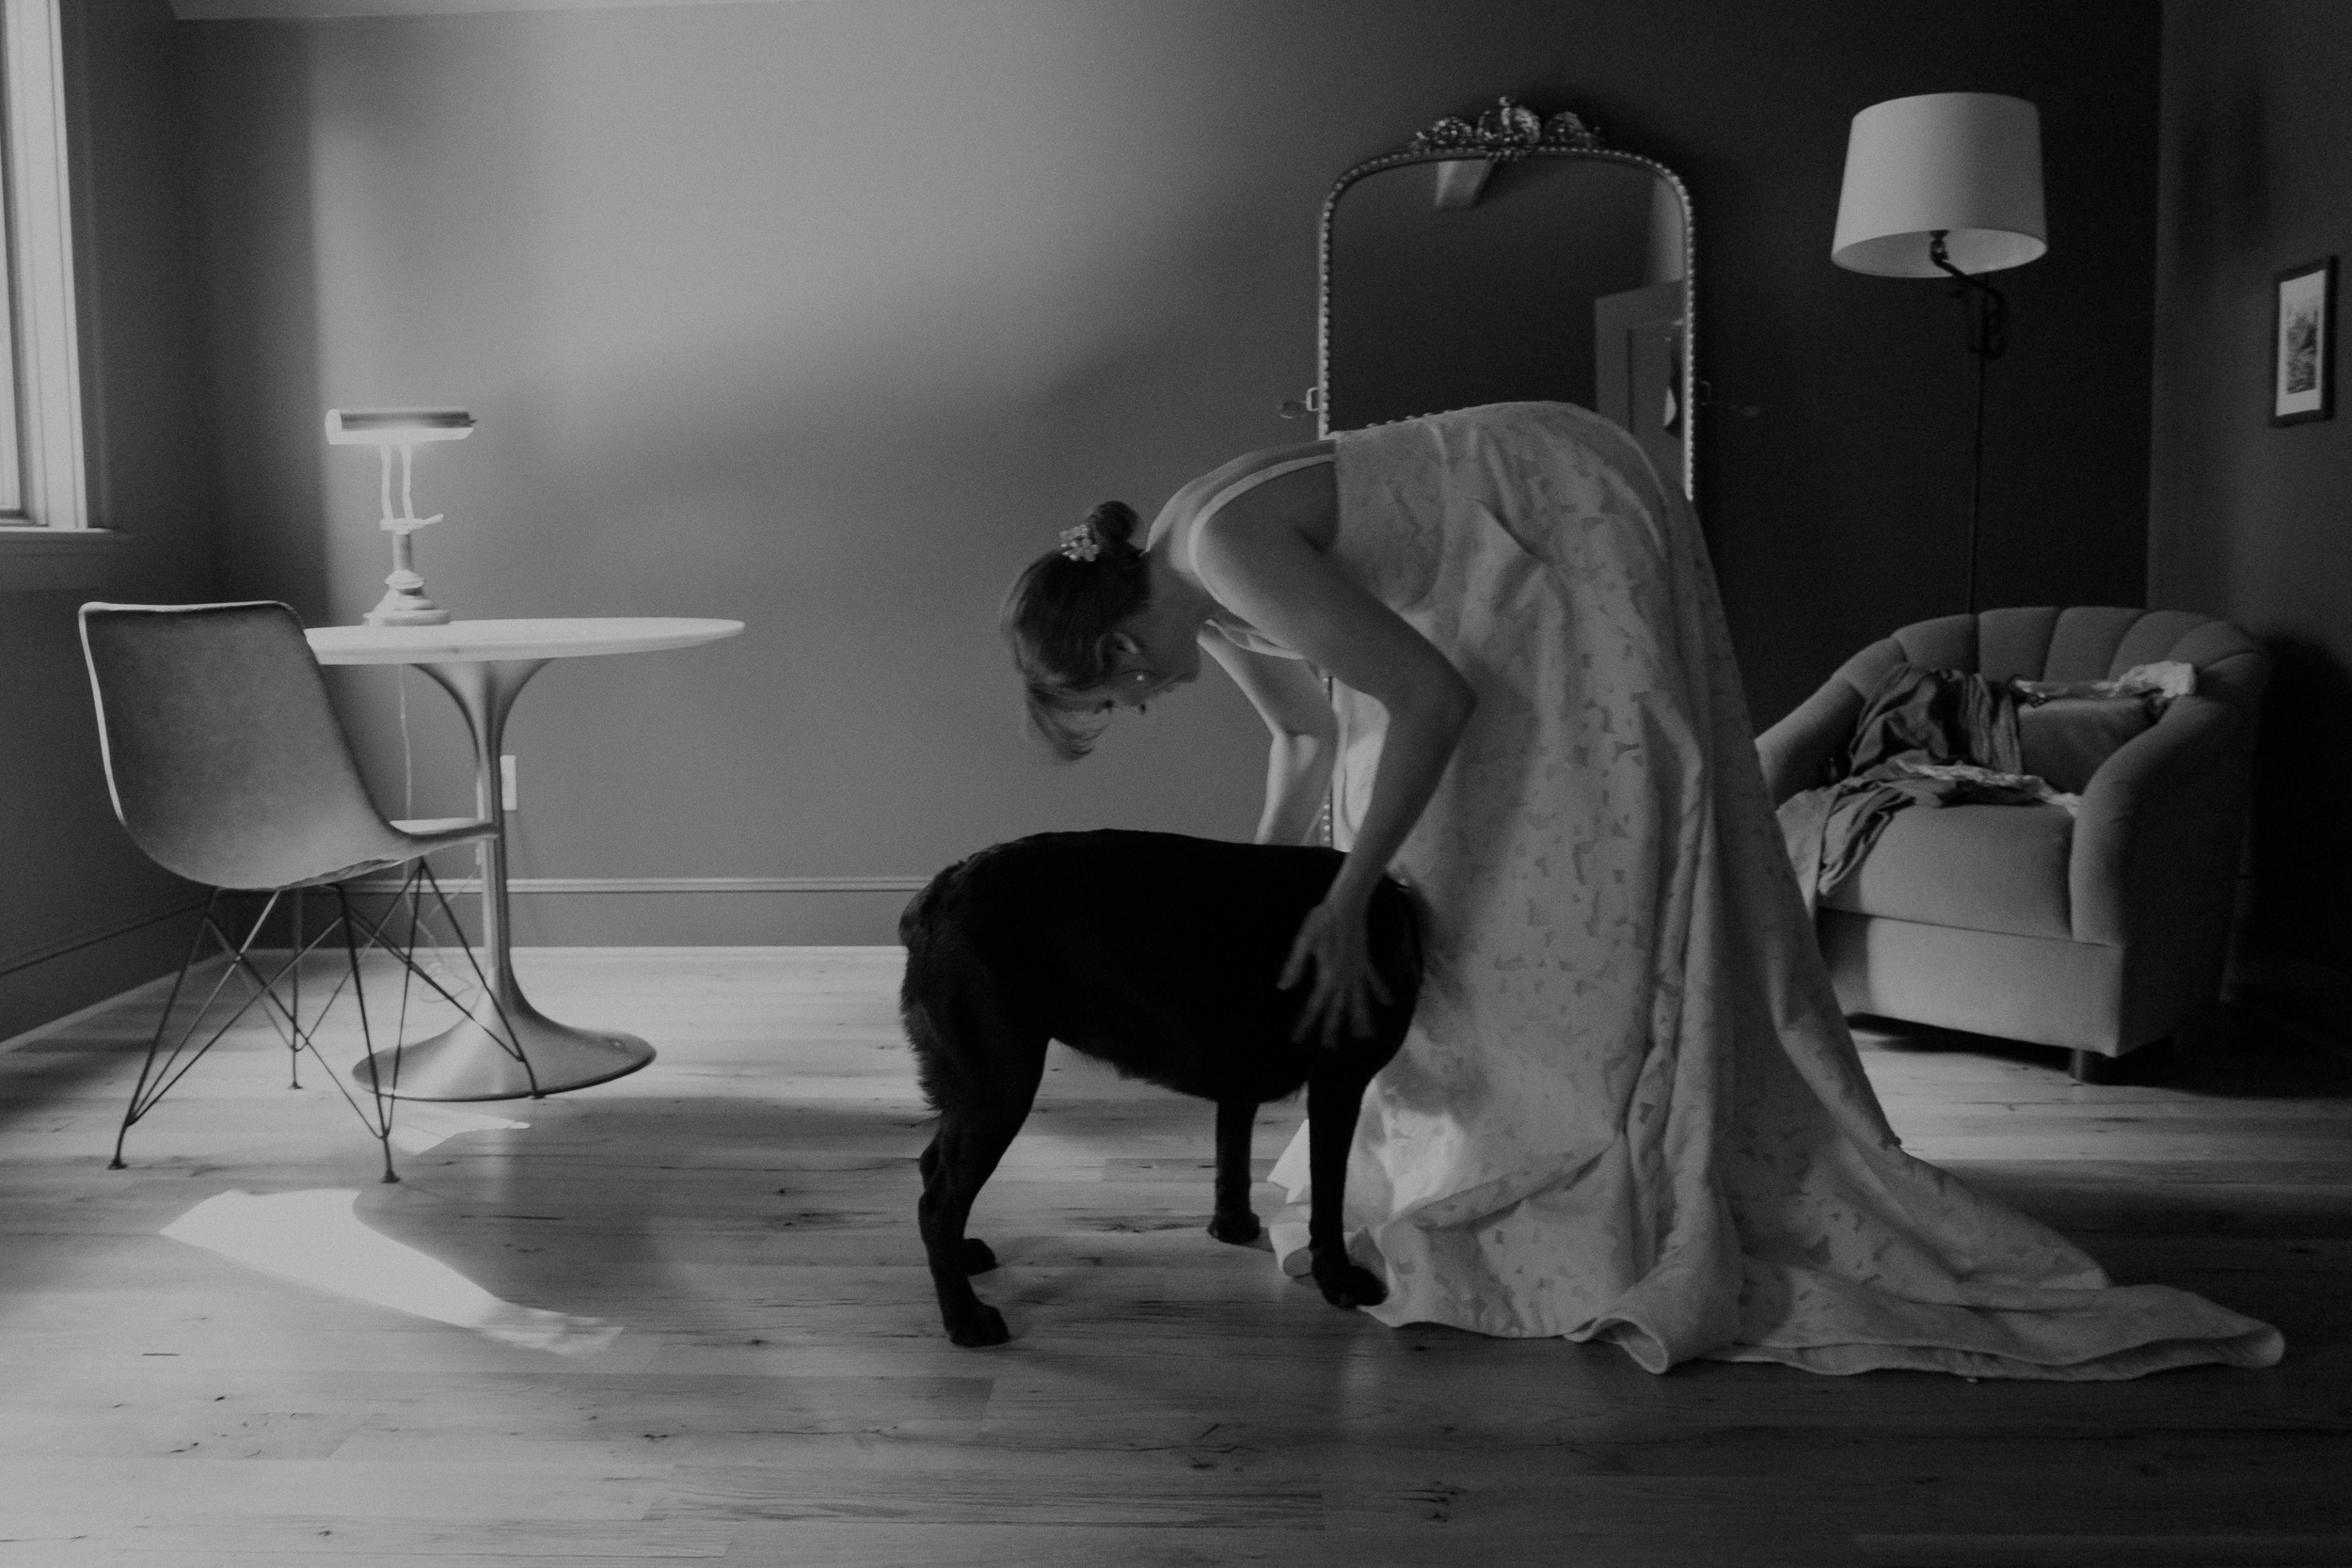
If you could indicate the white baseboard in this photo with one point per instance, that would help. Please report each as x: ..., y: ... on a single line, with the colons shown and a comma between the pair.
x: 738, y: 950
x: 529, y: 885
x: 694, y: 912
x: 269, y: 958
x: 156, y: 989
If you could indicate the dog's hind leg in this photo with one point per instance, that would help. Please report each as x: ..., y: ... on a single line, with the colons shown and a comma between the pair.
x: 974, y: 1255
x: 962, y: 1157
x: 1233, y: 1221
x: 981, y: 1055
x: 1334, y: 1097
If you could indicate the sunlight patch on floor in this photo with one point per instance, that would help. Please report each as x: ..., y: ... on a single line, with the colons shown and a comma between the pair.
x: 315, y: 1239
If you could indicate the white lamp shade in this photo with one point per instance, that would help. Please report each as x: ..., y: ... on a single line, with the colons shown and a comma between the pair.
x: 1968, y: 164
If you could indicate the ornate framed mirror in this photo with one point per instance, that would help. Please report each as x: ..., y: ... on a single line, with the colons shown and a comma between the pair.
x: 1512, y: 257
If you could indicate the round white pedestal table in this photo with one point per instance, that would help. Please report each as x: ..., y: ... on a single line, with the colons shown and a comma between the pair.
x: 508, y: 1048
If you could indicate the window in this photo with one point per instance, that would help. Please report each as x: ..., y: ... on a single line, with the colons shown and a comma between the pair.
x: 42, y: 483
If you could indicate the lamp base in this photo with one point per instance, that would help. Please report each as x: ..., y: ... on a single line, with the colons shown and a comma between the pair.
x: 398, y: 608
x: 403, y: 603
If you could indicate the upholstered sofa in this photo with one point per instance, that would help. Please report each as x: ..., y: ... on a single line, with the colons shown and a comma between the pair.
x: 2097, y: 932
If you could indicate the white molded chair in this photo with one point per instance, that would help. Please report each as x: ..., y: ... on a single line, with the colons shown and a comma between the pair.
x: 227, y: 766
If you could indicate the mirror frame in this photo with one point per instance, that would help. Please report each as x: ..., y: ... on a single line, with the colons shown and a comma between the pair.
x: 1502, y: 135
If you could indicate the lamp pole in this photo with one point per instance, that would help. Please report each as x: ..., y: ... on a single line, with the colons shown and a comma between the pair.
x: 1988, y: 334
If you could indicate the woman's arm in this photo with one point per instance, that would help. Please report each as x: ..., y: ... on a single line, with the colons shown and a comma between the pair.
x: 1290, y: 699
x: 1266, y: 570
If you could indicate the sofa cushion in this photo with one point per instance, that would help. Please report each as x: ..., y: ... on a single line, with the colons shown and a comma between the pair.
x: 2065, y: 740
x: 1986, y: 868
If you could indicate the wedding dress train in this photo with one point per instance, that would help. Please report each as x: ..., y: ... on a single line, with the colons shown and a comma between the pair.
x: 1630, y: 1108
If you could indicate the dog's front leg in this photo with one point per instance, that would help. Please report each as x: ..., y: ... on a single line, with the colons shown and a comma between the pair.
x: 1234, y: 1221
x: 1335, y: 1095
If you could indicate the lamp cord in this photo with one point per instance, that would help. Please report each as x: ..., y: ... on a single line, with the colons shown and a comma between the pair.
x: 1988, y: 336
x: 408, y: 751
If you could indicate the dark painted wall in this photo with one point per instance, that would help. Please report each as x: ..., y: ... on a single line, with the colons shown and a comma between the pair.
x: 827, y: 316
x: 83, y: 914
x: 2248, y: 520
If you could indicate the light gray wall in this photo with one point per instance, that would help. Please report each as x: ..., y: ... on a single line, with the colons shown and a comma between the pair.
x: 2248, y: 519
x: 826, y: 316
x: 82, y: 914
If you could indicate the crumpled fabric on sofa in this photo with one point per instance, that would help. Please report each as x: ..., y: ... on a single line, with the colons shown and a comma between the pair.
x: 2098, y: 933
x: 1926, y: 738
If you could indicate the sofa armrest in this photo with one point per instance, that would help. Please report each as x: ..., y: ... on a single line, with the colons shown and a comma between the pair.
x: 2146, y: 830
x: 1796, y: 752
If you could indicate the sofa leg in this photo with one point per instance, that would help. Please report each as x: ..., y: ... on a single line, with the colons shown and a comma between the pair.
x: 2089, y: 1066
x: 2142, y: 1064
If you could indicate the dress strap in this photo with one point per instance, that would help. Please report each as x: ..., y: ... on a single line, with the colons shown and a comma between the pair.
x: 1241, y: 487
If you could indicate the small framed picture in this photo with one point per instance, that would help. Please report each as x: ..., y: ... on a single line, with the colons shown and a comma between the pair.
x: 2302, y: 382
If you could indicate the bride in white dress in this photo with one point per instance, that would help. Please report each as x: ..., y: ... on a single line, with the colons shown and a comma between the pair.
x: 1628, y: 1108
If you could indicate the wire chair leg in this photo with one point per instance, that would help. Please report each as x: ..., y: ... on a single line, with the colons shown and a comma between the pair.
x: 163, y: 1026
x: 165, y: 1065
x: 382, y: 1125
x: 294, y: 1044
x: 170, y: 1058
x: 379, y: 934
x: 359, y: 937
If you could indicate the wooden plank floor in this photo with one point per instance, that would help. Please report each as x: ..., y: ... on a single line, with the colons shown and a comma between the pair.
x: 748, y: 1367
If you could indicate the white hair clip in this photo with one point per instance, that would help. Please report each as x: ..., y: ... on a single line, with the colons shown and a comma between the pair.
x: 1082, y: 543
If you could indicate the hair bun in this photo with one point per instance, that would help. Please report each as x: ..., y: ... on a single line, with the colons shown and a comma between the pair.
x: 1115, y: 521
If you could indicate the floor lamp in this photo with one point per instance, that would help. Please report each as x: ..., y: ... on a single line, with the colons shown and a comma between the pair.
x: 1948, y: 182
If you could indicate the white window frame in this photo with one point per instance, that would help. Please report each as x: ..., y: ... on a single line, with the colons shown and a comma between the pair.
x: 44, y: 487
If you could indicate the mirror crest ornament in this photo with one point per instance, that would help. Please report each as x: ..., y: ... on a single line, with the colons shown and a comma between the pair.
x: 1506, y: 130
x: 1418, y: 268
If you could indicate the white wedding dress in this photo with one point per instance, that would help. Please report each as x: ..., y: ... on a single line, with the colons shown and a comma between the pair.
x: 1630, y: 1108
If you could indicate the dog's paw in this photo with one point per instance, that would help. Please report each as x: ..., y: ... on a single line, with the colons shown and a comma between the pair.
x: 976, y: 1258
x: 985, y: 1327
x: 1344, y: 1284
x: 1238, y: 1229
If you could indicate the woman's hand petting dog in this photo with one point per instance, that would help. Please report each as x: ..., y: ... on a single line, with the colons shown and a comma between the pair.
x: 1331, y: 943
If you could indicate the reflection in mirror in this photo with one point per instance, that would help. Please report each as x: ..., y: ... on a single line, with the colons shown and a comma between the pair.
x: 1515, y: 258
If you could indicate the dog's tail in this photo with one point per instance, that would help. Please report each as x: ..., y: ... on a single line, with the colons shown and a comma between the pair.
x: 969, y: 1014
x: 950, y: 1006
x: 915, y: 920
x: 946, y: 999
x: 919, y: 933
x: 930, y: 1053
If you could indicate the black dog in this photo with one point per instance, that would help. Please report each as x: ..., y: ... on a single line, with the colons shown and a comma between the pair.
x: 1158, y: 954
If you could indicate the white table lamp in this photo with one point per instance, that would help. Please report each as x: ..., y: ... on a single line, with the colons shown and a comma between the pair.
x: 1948, y: 183
x: 403, y: 603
